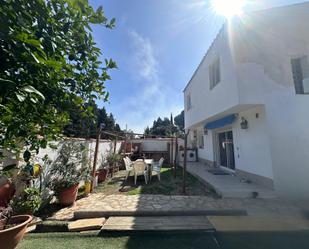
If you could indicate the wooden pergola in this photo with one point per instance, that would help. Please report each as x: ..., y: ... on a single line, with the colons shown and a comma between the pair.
x: 123, y: 136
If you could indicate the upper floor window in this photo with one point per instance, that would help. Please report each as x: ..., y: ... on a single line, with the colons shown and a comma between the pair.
x: 189, y: 104
x: 214, y: 73
x: 300, y: 70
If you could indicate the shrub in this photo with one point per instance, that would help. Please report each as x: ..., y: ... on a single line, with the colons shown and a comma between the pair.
x: 70, y: 166
x: 28, y: 202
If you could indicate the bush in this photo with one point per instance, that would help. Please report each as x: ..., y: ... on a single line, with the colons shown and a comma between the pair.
x: 28, y: 202
x: 70, y: 166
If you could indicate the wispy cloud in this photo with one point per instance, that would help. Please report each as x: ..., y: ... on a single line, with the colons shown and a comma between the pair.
x: 151, y: 99
x: 144, y: 58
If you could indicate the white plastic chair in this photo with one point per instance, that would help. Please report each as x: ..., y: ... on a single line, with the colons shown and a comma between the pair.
x: 128, y: 165
x: 140, y: 168
x: 156, y: 168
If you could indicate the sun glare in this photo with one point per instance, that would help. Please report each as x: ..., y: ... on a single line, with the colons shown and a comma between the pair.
x: 228, y: 8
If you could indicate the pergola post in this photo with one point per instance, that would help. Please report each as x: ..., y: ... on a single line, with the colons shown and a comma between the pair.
x: 176, y: 155
x: 96, y: 151
x: 114, y: 164
x: 184, y: 170
x: 172, y: 152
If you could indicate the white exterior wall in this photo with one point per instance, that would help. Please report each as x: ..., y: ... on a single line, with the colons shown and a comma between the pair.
x: 206, y: 102
x: 207, y: 152
x: 105, y: 148
x: 265, y: 75
x: 276, y: 145
x: 251, y: 146
x: 154, y: 145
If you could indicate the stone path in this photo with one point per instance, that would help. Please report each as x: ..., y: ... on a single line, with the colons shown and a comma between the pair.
x: 255, y: 207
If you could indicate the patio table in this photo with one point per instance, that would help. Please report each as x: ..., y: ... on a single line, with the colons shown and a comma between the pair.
x: 148, y: 161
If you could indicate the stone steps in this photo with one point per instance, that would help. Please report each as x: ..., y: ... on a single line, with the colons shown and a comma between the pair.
x: 157, y: 224
x: 86, y: 224
x: 87, y: 214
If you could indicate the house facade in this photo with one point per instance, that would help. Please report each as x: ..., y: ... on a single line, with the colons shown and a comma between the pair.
x: 247, y: 104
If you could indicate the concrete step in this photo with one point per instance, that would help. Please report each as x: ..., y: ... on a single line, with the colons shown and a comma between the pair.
x: 157, y: 224
x: 258, y: 224
x: 87, y: 214
x: 86, y: 224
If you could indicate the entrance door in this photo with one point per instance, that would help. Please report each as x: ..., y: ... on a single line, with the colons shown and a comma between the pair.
x: 226, y: 149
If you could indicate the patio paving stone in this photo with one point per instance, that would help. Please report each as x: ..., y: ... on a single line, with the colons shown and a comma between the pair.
x: 100, y: 202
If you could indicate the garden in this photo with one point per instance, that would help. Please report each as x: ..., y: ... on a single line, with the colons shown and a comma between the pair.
x: 41, y: 186
x: 51, y: 76
x: 170, y: 184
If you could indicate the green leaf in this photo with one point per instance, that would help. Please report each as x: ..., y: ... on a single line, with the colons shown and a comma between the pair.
x: 27, y: 155
x: 7, y: 80
x: 33, y: 100
x: 33, y: 42
x: 20, y: 97
x: 34, y: 57
x: 31, y: 89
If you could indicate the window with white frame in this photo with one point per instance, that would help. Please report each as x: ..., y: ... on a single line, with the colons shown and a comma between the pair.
x: 189, y: 104
x: 300, y: 70
x: 214, y: 73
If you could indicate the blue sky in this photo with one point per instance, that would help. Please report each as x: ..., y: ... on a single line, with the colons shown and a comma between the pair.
x: 157, y: 45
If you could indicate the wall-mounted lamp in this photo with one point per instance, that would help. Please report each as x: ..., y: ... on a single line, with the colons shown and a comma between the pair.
x: 244, y: 123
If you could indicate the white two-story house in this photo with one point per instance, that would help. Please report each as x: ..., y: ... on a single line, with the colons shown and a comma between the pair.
x: 247, y: 104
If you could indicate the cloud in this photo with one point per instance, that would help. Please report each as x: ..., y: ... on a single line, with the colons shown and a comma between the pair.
x: 150, y: 99
x: 144, y: 58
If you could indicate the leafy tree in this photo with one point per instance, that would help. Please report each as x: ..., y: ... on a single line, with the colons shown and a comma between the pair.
x: 87, y: 128
x: 49, y: 65
x: 147, y: 131
x: 161, y: 127
x: 180, y: 121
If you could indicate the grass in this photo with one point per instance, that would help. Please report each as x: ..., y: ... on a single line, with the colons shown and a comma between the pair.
x: 169, y: 185
x: 83, y: 241
x: 299, y: 240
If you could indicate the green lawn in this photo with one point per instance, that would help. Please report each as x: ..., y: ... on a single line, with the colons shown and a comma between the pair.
x: 83, y: 241
x: 169, y: 185
x: 298, y: 240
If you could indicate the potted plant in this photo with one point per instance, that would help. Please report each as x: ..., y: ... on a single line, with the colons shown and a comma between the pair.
x: 113, y: 162
x: 12, y: 228
x: 7, y: 188
x: 66, y: 190
x: 67, y: 173
x: 102, y: 171
x: 28, y: 202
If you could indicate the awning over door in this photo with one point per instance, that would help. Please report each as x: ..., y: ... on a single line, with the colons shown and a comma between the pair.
x: 219, y: 123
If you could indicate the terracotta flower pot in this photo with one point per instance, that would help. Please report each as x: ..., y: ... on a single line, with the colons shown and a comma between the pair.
x: 10, y: 237
x: 102, y: 174
x: 7, y: 191
x: 68, y: 196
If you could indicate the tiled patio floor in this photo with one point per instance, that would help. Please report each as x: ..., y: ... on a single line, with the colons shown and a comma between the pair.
x: 228, y: 186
